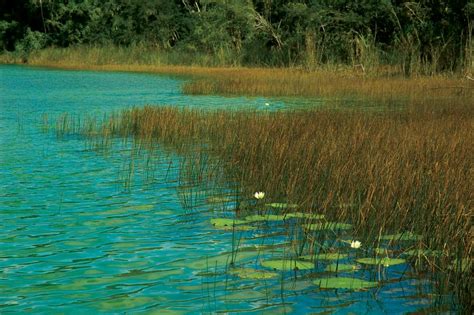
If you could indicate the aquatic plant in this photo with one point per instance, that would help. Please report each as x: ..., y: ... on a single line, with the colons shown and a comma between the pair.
x: 313, y: 162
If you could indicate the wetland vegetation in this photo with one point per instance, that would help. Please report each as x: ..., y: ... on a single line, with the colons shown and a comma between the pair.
x: 356, y: 200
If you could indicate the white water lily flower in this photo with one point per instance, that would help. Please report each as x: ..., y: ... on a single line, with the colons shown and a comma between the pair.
x: 356, y: 244
x: 259, y: 195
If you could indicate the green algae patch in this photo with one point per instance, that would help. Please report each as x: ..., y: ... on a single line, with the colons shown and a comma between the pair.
x: 408, y: 236
x: 287, y: 264
x: 324, y: 256
x: 340, y: 268
x: 301, y: 215
x: 327, y: 226
x: 254, y: 274
x: 268, y: 217
x: 281, y: 205
x: 344, y: 283
x: 386, y: 261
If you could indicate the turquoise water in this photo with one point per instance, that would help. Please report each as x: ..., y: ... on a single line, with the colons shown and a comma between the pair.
x: 84, y: 232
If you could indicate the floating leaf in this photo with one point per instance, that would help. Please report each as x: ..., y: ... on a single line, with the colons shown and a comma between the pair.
x: 230, y: 224
x: 268, y: 217
x: 340, y: 268
x: 301, y: 215
x: 344, y: 283
x: 407, y: 236
x: 226, y: 222
x: 249, y: 273
x: 386, y: 261
x: 287, y: 264
x: 279, y: 205
x: 324, y: 256
x: 323, y: 226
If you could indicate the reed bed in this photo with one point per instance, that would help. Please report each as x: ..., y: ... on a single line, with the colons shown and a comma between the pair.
x: 385, y: 83
x: 406, y: 171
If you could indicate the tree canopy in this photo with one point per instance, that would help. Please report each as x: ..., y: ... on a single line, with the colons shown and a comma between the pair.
x: 254, y: 32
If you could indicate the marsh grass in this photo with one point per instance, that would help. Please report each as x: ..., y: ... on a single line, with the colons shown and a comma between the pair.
x: 406, y: 171
x: 381, y: 84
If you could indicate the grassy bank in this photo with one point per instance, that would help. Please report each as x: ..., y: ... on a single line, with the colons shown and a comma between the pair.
x: 382, y: 84
x: 407, y: 172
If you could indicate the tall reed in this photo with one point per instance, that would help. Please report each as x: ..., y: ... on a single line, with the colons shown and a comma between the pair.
x: 384, y: 172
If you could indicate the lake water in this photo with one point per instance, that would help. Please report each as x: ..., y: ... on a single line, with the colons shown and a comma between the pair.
x: 80, y: 235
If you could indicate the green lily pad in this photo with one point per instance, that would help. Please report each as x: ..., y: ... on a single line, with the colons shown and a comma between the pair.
x: 268, y: 217
x: 344, y: 283
x: 230, y: 224
x: 340, y: 268
x: 386, y: 261
x: 424, y: 252
x: 408, y: 236
x: 226, y: 222
x: 301, y: 215
x: 324, y: 256
x: 324, y: 226
x: 280, y: 205
x: 249, y: 273
x: 287, y: 264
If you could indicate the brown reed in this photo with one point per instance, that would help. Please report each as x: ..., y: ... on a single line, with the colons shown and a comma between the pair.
x: 409, y: 170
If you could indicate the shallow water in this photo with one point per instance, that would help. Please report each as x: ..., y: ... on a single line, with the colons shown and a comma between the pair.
x: 84, y: 232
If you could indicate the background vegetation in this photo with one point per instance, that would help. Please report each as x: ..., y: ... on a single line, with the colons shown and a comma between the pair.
x: 425, y: 36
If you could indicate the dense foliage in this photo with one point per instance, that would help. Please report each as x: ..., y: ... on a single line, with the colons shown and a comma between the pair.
x: 433, y: 35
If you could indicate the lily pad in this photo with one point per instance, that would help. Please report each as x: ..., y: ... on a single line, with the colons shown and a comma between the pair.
x: 280, y: 205
x: 301, y: 215
x: 268, y: 217
x: 340, y: 268
x: 344, y: 283
x: 230, y: 224
x: 226, y: 222
x: 287, y: 264
x: 324, y: 226
x: 386, y: 261
x: 408, y: 236
x: 324, y: 256
x: 254, y: 274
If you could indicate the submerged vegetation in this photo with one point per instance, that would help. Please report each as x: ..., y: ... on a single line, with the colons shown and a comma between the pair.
x: 396, y: 181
